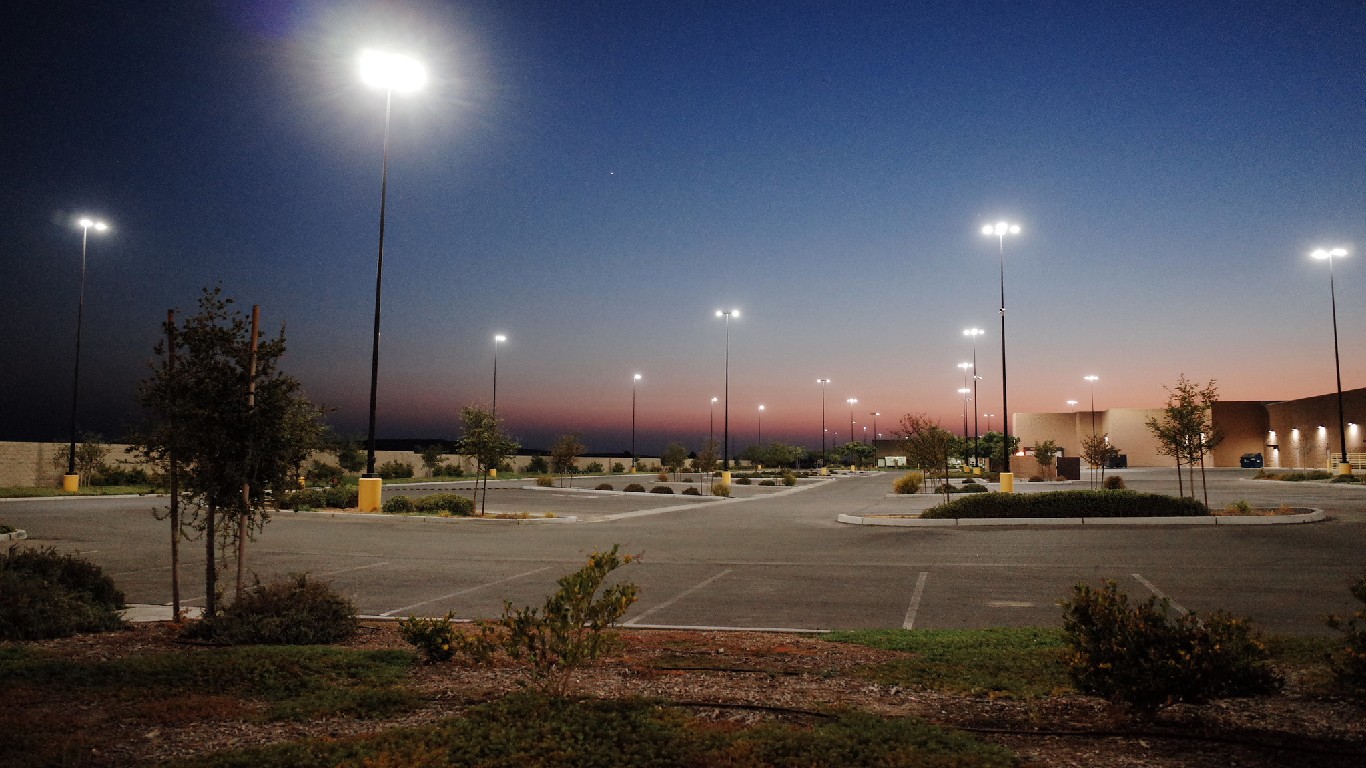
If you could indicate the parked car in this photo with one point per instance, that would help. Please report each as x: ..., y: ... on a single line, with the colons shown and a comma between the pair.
x: 1251, y: 461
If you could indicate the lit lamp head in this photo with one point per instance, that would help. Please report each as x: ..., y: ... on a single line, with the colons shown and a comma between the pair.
x: 1329, y: 253
x: 391, y: 71
x: 95, y: 224
x: 1001, y: 229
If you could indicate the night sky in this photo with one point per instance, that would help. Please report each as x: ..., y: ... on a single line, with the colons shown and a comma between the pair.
x: 596, y: 179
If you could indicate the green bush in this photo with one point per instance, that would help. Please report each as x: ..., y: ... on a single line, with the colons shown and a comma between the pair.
x: 343, y: 497
x: 743, y: 480
x: 433, y: 638
x: 545, y: 481
x: 908, y: 483
x: 444, y: 505
x: 118, y: 475
x: 398, y: 505
x: 593, y: 468
x: 691, y: 491
x: 603, y: 487
x: 537, y: 466
x: 291, y: 611
x: 1293, y: 477
x: 662, y: 477
x: 1336, y: 479
x: 634, y: 488
x: 661, y: 489
x: 1069, y: 504
x: 47, y: 595
x: 618, y: 468
x: 1113, y: 483
x: 789, y: 478
x: 720, y: 489
x: 395, y: 470
x: 323, y: 474
x: 1139, y: 656
x: 450, y: 470
x: 1349, y: 662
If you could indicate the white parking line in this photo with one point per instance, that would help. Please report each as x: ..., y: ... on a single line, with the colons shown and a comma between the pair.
x: 355, y: 568
x: 466, y: 591
x: 676, y: 598
x: 1175, y: 606
x: 909, y: 623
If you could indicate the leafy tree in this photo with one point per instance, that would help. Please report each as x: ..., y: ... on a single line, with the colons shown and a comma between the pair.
x: 1186, y: 430
x: 674, y: 457
x: 482, y: 439
x: 863, y: 453
x: 349, y: 456
x: 1045, y: 452
x: 91, y: 452
x: 567, y: 448
x: 990, y: 447
x: 231, y: 454
x: 1097, y: 451
x: 928, y: 446
x: 431, y: 456
x: 707, y: 457
x: 537, y: 466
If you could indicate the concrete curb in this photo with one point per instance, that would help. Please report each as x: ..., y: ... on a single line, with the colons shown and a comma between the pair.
x: 618, y: 493
x: 428, y: 518
x: 1313, y: 516
x: 14, y: 536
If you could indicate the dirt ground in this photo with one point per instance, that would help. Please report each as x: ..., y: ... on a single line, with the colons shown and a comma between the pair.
x: 745, y: 676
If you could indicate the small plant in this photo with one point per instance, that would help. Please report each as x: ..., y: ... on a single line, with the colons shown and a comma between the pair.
x: 1349, y: 662
x: 49, y: 595
x: 1345, y: 479
x: 324, y: 474
x: 340, y: 497
x: 603, y: 487
x: 661, y: 489
x: 662, y: 477
x: 546, y: 481
x: 768, y: 483
x: 1139, y: 656
x: 720, y: 489
x: 444, y: 505
x: 908, y: 483
x: 398, y: 505
x: 593, y: 468
x: 1113, y: 483
x: 789, y: 478
x: 691, y: 491
x: 451, y: 470
x: 395, y: 470
x: 634, y: 488
x: 292, y: 611
x: 1239, y: 507
x: 1036, y: 478
x: 618, y: 468
x: 570, y: 630
x: 744, y: 480
x: 433, y: 638
x: 972, y: 488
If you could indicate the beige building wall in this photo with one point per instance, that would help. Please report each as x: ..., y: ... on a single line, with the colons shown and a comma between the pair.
x: 1304, y: 433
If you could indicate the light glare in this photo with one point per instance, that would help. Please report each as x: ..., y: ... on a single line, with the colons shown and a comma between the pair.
x: 391, y: 71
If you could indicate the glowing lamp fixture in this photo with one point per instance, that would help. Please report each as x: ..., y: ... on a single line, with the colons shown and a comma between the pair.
x: 391, y: 71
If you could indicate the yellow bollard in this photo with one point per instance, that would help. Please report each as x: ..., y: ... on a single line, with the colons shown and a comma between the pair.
x: 1007, y: 482
x: 370, y: 491
x: 725, y: 477
x: 493, y: 473
x: 71, y: 483
x: 825, y: 471
x: 1344, y: 468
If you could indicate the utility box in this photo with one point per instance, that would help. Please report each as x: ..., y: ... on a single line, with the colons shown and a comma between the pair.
x: 1069, y: 467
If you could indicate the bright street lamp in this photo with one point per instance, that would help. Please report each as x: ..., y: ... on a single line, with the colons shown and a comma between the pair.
x: 822, y: 382
x: 1345, y: 466
x: 1000, y: 229
x: 390, y: 72
x: 711, y: 422
x: 497, y: 339
x: 725, y: 409
x: 988, y: 416
x: 634, y: 381
x: 852, y: 402
x: 964, y: 391
x: 875, y: 414
x: 761, y: 425
x: 71, y: 482
x: 1073, y: 405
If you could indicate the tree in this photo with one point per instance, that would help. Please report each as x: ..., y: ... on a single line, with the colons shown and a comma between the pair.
x: 537, y: 465
x: 349, y: 456
x: 707, y: 457
x: 989, y: 447
x: 1186, y: 430
x: 431, y: 456
x: 928, y: 446
x: 1097, y: 451
x: 562, y: 456
x: 1045, y: 452
x: 862, y: 453
x: 231, y: 452
x: 482, y: 439
x: 674, y: 457
x: 91, y: 452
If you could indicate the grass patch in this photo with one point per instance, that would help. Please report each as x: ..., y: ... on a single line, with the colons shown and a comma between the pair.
x: 1068, y: 504
x: 29, y: 492
x: 529, y: 730
x: 1000, y: 662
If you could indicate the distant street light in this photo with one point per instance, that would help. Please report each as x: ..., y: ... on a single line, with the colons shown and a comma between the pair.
x: 761, y: 425
x: 390, y: 72
x: 1345, y: 466
x: 711, y: 422
x: 634, y: 381
x: 1000, y: 229
x: 71, y: 482
x: 964, y: 392
x: 988, y: 416
x: 973, y: 333
x: 1073, y: 405
x: 497, y: 339
x: 1092, y: 379
x: 875, y: 414
x: 852, y: 402
x: 725, y: 417
x: 822, y: 382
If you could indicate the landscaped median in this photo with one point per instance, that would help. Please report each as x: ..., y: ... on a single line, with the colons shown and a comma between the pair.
x: 1078, y: 508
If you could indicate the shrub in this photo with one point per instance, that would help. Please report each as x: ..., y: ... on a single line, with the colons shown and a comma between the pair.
x: 1138, y: 656
x: 398, y: 505
x: 292, y: 611
x: 444, y: 504
x: 450, y: 470
x: 1239, y: 507
x: 593, y: 468
x: 1068, y: 504
x: 1036, y: 478
x: 1349, y: 662
x: 972, y: 488
x: 691, y: 491
x: 344, y: 497
x: 634, y: 488
x: 537, y: 466
x: 908, y: 483
x: 769, y: 483
x: 789, y: 478
x: 720, y: 489
x: 433, y: 638
x: 603, y: 487
x: 394, y: 470
x: 49, y: 595
x: 1113, y: 483
x: 546, y: 481
x: 1336, y: 479
x: 570, y: 630
x: 743, y: 480
x: 618, y: 468
x: 661, y: 489
x: 118, y: 475
x: 323, y: 474
x: 662, y: 477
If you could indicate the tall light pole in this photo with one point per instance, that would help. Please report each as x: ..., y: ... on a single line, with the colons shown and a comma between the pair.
x: 761, y: 425
x: 711, y: 422
x: 72, y: 481
x: 822, y: 382
x: 389, y: 72
x: 634, y: 381
x: 853, y: 401
x: 497, y: 339
x: 973, y: 333
x: 725, y: 409
x: 875, y: 414
x: 988, y: 416
x: 1073, y: 405
x: 964, y: 392
x: 1345, y: 466
x: 1000, y: 229
x: 1092, y: 379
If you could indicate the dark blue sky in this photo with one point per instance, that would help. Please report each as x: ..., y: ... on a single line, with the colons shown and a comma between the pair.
x: 596, y: 179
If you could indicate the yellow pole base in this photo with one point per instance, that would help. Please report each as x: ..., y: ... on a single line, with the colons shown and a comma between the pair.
x: 493, y: 473
x: 1007, y: 482
x: 1344, y: 468
x: 825, y: 471
x: 371, y: 489
x: 725, y: 477
x: 977, y: 471
x: 71, y: 483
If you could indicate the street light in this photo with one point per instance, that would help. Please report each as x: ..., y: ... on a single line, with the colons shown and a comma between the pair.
x: 761, y: 425
x: 1345, y: 466
x: 852, y: 402
x: 634, y: 381
x: 1073, y: 405
x: 497, y: 339
x: 964, y: 391
x: 1092, y: 379
x: 71, y: 482
x: 988, y: 416
x: 711, y: 422
x: 390, y: 72
x: 973, y: 333
x: 822, y: 382
x: 1000, y: 229
x: 725, y: 409
x: 875, y: 414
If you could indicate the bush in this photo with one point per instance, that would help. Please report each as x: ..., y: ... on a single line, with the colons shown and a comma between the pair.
x: 691, y: 491
x: 908, y: 483
x: 972, y: 488
x: 603, y: 487
x: 743, y: 480
x: 634, y: 488
x: 118, y: 475
x: 450, y: 470
x: 661, y: 489
x: 433, y: 638
x: 1239, y: 507
x: 662, y: 477
x: 1336, y: 479
x: 49, y: 595
x: 1137, y: 655
x: 1349, y: 663
x: 323, y: 474
x: 1069, y: 504
x: 618, y: 468
x: 398, y: 505
x: 1036, y: 478
x: 593, y: 468
x: 789, y: 478
x: 720, y: 489
x: 545, y: 481
x: 394, y: 470
x: 1113, y: 483
x: 291, y: 611
x: 769, y: 483
x: 345, y: 497
x: 444, y: 505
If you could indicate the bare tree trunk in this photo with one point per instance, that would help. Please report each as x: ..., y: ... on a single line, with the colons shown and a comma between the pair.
x: 174, y: 472
x: 210, y: 563
x: 1204, y: 486
x: 1180, y: 489
x: 246, y: 485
